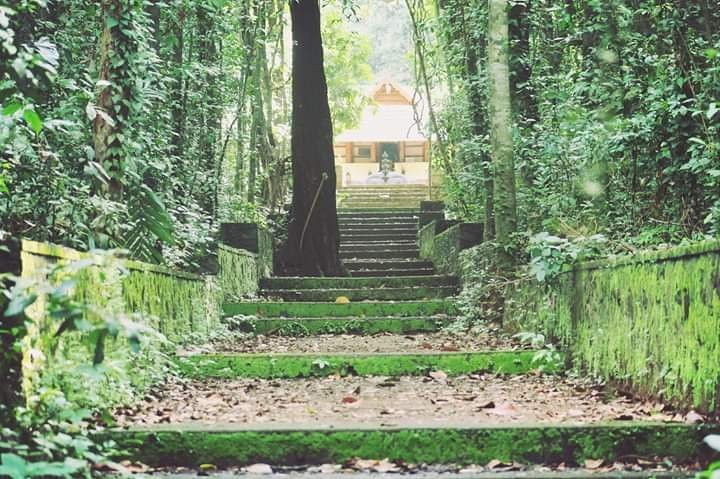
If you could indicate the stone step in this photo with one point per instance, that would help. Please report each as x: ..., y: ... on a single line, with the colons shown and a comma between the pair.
x: 313, y: 365
x: 407, y: 293
x: 406, y: 222
x: 381, y: 254
x: 333, y: 310
x: 386, y: 264
x: 360, y: 326
x: 348, y: 241
x: 393, y: 272
x: 372, y: 237
x: 378, y: 231
x: 381, y: 246
x: 277, y: 444
x: 357, y: 283
x: 443, y: 472
x: 378, y: 210
x: 363, y: 204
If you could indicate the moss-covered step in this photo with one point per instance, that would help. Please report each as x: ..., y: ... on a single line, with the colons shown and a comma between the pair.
x: 384, y: 246
x: 232, y: 445
x: 380, y: 264
x: 392, y: 272
x: 357, y: 326
x: 381, y: 254
x: 378, y: 282
x: 407, y: 293
x: 377, y: 233
x: 306, y: 365
x: 360, y: 237
x: 334, y: 310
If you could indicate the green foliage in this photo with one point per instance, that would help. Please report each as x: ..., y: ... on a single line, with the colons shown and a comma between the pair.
x: 346, y: 69
x: 551, y: 255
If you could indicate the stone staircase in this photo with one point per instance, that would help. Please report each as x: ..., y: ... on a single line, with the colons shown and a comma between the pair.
x: 382, y: 196
x: 341, y: 370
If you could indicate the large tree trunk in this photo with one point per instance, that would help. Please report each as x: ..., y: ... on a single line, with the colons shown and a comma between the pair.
x: 313, y: 238
x: 501, y: 122
x: 11, y: 330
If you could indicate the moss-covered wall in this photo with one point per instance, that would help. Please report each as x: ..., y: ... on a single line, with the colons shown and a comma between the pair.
x: 181, y: 307
x: 239, y: 272
x: 442, y: 249
x: 650, y: 322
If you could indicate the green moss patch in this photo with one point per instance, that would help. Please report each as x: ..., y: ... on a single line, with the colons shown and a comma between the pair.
x: 356, y: 309
x: 290, y: 366
x: 531, y: 444
x: 358, y: 326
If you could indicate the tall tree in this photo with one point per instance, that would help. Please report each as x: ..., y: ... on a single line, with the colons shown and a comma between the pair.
x: 501, y: 122
x: 313, y: 237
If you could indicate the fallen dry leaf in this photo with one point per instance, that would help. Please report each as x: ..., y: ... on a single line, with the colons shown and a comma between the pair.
x: 439, y: 376
x: 694, y: 418
x: 593, y: 463
x: 349, y: 399
x: 258, y: 469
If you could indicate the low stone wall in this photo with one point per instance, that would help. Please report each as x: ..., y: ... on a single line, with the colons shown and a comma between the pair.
x: 239, y: 273
x: 181, y: 307
x: 442, y: 242
x: 649, y: 322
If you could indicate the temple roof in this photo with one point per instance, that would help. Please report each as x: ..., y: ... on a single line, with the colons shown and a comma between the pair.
x: 390, y: 119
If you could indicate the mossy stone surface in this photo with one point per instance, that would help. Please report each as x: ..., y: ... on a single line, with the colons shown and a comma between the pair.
x: 319, y: 365
x: 529, y: 444
x: 353, y: 309
x: 358, y: 326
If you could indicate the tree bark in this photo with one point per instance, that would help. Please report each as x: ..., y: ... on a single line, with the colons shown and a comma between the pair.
x: 501, y: 122
x: 313, y: 237
x: 11, y: 330
x: 105, y: 126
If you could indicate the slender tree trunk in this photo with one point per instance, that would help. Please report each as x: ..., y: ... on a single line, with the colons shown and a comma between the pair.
x: 178, y: 112
x: 107, y: 148
x: 501, y: 122
x: 313, y: 237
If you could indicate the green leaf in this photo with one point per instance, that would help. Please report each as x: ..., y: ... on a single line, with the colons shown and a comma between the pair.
x: 33, y: 119
x: 12, y: 108
x: 18, y: 304
x: 111, y: 22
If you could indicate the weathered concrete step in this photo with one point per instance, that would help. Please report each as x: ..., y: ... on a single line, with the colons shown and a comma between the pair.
x: 355, y: 283
x: 370, y: 215
x: 381, y: 254
x: 405, y: 222
x: 324, y: 309
x: 392, y: 272
x: 349, y: 241
x: 386, y: 264
x: 407, y: 293
x: 382, y: 246
x: 308, y: 365
x: 293, y: 444
x: 378, y: 233
x: 450, y: 473
x: 351, y: 325
x: 378, y: 212
x: 384, y: 225
x: 375, y: 237
x: 380, y: 203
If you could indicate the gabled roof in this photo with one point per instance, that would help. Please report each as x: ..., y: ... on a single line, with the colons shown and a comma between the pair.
x: 387, y: 93
x: 390, y: 119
